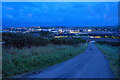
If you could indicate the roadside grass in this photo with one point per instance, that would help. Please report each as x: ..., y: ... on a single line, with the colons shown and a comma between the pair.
x: 0, y: 63
x: 17, y: 61
x: 111, y: 53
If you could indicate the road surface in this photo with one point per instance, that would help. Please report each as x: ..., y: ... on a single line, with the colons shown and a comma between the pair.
x: 90, y: 64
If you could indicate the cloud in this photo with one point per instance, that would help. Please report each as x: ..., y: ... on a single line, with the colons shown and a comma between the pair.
x: 29, y: 15
x: 9, y: 16
x: 93, y: 13
x: 8, y: 8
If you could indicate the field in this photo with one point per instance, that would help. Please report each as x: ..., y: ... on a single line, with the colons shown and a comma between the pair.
x: 111, y: 53
x: 17, y: 61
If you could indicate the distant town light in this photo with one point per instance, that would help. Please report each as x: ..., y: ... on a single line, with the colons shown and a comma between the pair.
x: 89, y: 30
x: 61, y: 36
x: 74, y: 32
x: 60, y: 30
x: 106, y: 36
x: 97, y: 36
x: 49, y: 29
x: 40, y: 29
x: 91, y: 36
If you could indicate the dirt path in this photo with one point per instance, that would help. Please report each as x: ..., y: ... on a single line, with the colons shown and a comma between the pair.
x: 90, y: 64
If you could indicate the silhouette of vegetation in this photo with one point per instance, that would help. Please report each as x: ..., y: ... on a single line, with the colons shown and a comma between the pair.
x: 20, y: 40
x: 109, y: 43
x: 44, y: 33
x: 67, y: 41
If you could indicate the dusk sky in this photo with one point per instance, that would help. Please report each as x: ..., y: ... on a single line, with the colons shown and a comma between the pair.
x: 17, y: 14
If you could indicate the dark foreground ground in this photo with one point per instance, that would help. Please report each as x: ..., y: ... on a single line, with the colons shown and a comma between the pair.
x: 90, y: 64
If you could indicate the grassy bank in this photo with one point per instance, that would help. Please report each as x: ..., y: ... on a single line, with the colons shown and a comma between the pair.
x: 17, y: 61
x: 111, y: 53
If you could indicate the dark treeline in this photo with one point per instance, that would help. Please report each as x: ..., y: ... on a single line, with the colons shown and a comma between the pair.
x: 109, y: 43
x: 20, y: 40
x: 67, y: 41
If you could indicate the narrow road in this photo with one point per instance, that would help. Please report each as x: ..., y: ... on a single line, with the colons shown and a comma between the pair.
x: 90, y: 64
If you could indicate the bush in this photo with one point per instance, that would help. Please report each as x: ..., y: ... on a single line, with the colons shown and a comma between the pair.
x: 20, y: 40
x: 109, y: 43
x: 67, y: 41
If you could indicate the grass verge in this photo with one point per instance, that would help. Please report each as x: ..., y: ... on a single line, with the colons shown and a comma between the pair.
x: 111, y: 53
x: 17, y: 61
